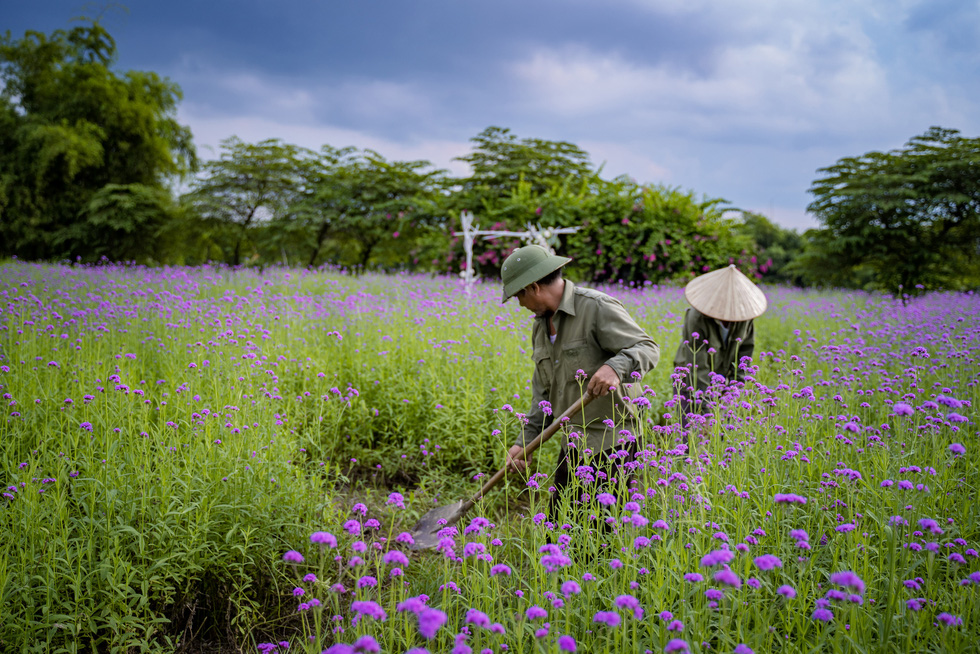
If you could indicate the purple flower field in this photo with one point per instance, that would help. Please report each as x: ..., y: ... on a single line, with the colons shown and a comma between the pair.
x: 217, y: 455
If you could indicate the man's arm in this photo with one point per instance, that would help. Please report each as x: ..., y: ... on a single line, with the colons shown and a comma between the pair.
x: 617, y: 332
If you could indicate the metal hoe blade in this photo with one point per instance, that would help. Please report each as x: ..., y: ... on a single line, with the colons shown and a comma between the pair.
x: 426, y: 530
x: 425, y: 533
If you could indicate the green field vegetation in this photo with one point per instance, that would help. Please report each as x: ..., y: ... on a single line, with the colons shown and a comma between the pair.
x: 171, y: 433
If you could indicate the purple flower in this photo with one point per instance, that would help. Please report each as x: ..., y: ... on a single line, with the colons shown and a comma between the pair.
x: 949, y: 620
x: 693, y: 577
x: 713, y: 594
x: 799, y: 534
x: 430, y: 620
x: 370, y: 609
x: 677, y: 645
x: 789, y: 498
x: 570, y: 588
x: 367, y: 644
x: 413, y: 604
x: 742, y: 648
x: 292, y: 556
x: 786, y: 591
x: 367, y: 581
x: 396, y: 500
x: 768, y: 562
x: 902, y: 409
x: 729, y: 578
x: 405, y: 537
x: 676, y: 625
x: 566, y: 643
x: 323, y: 538
x: 951, y: 402
x: 473, y: 548
x: 535, y: 612
x: 848, y: 579
x: 397, y: 557
x: 957, y: 449
x: 716, y: 558
x: 629, y: 603
x: 478, y: 618
x: 500, y: 569
x: 822, y: 614
x: 608, y: 618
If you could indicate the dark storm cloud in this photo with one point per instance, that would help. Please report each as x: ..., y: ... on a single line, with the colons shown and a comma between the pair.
x: 742, y: 99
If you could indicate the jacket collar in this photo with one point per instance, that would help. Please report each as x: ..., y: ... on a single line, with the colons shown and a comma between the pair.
x: 567, y: 304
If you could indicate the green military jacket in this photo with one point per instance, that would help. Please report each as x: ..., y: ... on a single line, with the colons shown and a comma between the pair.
x: 718, y: 355
x: 593, y: 329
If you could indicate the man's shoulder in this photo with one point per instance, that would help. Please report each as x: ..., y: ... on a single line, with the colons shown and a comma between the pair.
x: 592, y: 294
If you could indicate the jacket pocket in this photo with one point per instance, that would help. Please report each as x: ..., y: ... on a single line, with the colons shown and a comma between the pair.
x: 543, y: 366
x: 579, y: 355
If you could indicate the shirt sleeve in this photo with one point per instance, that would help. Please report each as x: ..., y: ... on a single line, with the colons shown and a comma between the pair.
x: 616, y: 331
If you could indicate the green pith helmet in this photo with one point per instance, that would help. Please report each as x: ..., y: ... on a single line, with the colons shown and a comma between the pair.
x: 527, y: 265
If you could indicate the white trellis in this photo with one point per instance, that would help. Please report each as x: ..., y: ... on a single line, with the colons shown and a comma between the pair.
x: 545, y: 237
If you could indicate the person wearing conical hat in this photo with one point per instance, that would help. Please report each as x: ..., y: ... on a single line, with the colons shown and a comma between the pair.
x: 718, y: 328
x: 582, y: 340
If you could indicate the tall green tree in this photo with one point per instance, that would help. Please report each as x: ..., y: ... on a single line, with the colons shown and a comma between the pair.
x: 249, y: 185
x: 72, y: 128
x: 500, y: 160
x: 775, y: 247
x: 909, y: 217
x: 368, y: 211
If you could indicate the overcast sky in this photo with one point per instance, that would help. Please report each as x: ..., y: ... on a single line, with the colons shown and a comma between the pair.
x: 738, y: 99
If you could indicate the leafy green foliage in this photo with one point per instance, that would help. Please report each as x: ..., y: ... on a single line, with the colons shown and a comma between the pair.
x: 775, y: 248
x: 367, y: 211
x: 248, y: 184
x: 909, y: 217
x: 72, y: 127
x: 500, y: 161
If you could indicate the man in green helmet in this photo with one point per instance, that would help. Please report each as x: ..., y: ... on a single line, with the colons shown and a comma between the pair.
x: 583, y: 340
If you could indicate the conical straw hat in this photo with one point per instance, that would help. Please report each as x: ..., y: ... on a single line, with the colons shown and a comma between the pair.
x: 726, y: 294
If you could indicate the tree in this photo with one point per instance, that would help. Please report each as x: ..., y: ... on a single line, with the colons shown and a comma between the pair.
x: 500, y: 161
x: 910, y: 216
x: 249, y: 183
x: 70, y: 127
x: 775, y: 248
x: 372, y: 210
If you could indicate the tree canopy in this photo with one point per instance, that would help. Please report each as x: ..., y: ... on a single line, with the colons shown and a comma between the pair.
x: 908, y: 220
x: 72, y: 131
